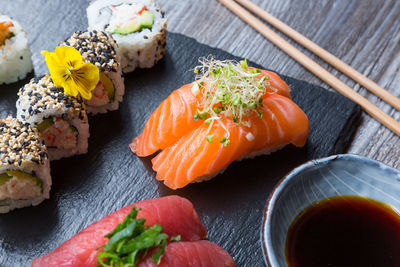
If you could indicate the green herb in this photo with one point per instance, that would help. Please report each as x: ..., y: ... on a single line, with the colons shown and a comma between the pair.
x: 209, y: 138
x: 225, y: 141
x: 229, y: 89
x: 243, y: 63
x: 130, y: 242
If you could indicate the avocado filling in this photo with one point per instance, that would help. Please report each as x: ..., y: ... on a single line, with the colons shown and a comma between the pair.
x: 19, y: 185
x: 58, y: 133
x: 129, y: 18
x: 103, y: 93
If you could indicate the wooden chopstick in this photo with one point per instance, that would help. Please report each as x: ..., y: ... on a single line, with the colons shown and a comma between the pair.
x: 312, y: 66
x: 322, y: 53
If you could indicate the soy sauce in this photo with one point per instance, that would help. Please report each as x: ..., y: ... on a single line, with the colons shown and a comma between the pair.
x: 345, y: 231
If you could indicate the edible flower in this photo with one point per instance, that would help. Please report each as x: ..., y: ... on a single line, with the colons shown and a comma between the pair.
x: 130, y: 242
x: 68, y: 71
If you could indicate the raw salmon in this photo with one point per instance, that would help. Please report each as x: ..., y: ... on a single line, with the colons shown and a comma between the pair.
x: 194, y: 158
x: 174, y: 117
x: 174, y: 213
x: 192, y: 254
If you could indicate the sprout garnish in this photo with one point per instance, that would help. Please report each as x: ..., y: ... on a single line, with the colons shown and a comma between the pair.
x: 230, y: 89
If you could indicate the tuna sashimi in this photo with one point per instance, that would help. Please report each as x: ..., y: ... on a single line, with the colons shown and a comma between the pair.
x: 193, y: 157
x: 192, y: 254
x: 174, y: 117
x: 174, y: 213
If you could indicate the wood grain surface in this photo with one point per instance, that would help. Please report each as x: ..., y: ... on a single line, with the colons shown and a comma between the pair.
x: 363, y: 33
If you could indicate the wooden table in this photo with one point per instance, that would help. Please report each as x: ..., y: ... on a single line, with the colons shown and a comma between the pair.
x: 363, y: 33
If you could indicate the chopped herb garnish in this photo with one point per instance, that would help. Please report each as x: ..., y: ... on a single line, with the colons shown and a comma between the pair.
x: 130, y: 242
x: 229, y: 89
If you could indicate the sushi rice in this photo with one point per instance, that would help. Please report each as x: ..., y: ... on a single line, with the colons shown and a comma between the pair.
x: 15, y: 56
x: 61, y: 119
x: 142, y: 48
x: 24, y: 166
x: 100, y: 49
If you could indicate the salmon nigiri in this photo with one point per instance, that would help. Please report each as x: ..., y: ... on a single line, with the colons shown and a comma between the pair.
x: 176, y: 215
x: 174, y: 117
x: 243, y: 112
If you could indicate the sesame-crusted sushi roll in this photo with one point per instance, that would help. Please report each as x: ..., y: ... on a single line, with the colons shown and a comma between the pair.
x: 138, y: 27
x: 24, y: 166
x: 99, y: 48
x: 15, y: 56
x: 61, y: 119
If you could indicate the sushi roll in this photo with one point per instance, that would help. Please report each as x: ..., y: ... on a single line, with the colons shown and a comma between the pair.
x: 99, y: 48
x: 61, y: 120
x: 138, y: 27
x: 24, y: 166
x: 15, y: 56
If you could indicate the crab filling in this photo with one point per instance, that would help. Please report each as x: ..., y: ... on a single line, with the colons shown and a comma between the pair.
x: 129, y: 18
x: 103, y: 93
x: 58, y: 133
x: 19, y: 185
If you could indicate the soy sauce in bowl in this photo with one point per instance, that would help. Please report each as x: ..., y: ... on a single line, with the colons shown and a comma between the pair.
x: 345, y: 231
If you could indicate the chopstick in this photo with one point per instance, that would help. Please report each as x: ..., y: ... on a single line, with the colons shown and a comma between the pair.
x: 312, y: 66
x: 322, y: 53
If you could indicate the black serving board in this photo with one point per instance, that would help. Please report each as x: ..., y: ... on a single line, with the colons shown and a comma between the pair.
x: 88, y: 187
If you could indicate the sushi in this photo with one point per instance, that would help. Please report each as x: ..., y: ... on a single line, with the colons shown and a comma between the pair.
x: 61, y: 119
x: 175, y: 214
x: 24, y: 166
x: 138, y: 26
x: 100, y: 49
x: 230, y: 113
x: 15, y: 55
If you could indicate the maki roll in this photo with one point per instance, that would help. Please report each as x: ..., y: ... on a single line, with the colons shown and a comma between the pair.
x: 24, y: 166
x: 61, y: 119
x: 138, y: 27
x: 99, y: 48
x: 15, y: 56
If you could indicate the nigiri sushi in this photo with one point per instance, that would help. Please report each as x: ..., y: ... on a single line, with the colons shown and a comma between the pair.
x: 175, y: 214
x: 231, y: 112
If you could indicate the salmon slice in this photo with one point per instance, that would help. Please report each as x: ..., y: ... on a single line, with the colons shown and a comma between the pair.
x: 174, y: 117
x: 171, y: 120
x: 193, y: 158
x: 192, y: 254
x: 174, y: 213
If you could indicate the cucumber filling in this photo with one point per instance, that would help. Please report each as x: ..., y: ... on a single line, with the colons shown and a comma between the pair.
x: 104, y: 92
x: 58, y: 133
x: 130, y: 18
x: 19, y: 185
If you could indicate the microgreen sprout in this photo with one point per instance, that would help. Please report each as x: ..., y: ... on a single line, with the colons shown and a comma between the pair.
x: 231, y: 89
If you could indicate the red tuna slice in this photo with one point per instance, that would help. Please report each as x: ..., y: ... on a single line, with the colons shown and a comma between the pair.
x: 192, y: 254
x: 174, y: 213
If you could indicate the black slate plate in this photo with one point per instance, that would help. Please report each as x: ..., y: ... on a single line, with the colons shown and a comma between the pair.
x: 88, y: 187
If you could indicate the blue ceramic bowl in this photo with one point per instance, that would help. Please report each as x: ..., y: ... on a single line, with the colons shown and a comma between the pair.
x: 316, y: 180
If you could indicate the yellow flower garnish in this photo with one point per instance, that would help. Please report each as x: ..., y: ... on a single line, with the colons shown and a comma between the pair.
x: 68, y: 71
